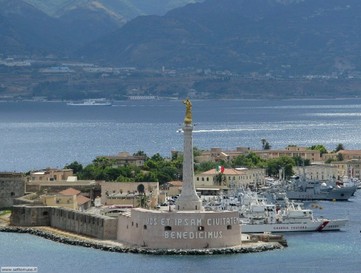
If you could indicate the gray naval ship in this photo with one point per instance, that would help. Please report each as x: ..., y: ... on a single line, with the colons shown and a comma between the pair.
x: 304, y: 189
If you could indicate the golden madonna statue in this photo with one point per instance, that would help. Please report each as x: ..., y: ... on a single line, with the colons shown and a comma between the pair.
x: 188, y: 116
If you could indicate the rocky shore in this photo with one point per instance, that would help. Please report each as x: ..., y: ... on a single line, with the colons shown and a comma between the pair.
x: 112, y: 246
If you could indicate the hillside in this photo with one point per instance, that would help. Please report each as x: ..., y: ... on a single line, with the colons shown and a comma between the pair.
x: 215, y: 48
x: 248, y: 36
x: 58, y: 27
x: 25, y: 30
x: 124, y: 10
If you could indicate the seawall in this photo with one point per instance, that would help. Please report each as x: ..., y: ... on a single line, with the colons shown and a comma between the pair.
x: 95, y: 226
x: 112, y: 246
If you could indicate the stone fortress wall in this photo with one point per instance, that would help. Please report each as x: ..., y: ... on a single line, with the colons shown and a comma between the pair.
x: 96, y: 226
x: 12, y: 185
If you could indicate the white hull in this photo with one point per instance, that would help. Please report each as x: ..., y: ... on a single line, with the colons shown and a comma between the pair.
x: 91, y: 102
x: 316, y: 225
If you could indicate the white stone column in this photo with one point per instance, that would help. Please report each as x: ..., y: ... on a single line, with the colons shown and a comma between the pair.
x: 188, y: 199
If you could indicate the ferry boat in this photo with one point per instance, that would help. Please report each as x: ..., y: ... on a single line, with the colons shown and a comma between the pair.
x: 91, y: 102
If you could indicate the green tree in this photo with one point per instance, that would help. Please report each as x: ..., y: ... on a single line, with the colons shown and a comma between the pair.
x: 339, y: 157
x: 92, y: 172
x: 320, y: 148
x: 339, y: 147
x: 275, y: 164
x: 250, y: 160
x: 146, y: 176
x: 126, y: 179
x: 111, y: 174
x: 204, y: 166
x: 329, y: 160
x: 157, y: 157
x: 141, y: 153
x: 143, y: 200
x: 75, y: 166
x: 265, y: 144
x: 196, y: 152
x: 299, y: 161
x: 220, y: 179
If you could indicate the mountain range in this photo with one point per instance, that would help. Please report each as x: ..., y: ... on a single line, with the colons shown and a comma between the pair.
x: 296, y: 47
x: 263, y: 36
x: 289, y: 37
x: 123, y: 10
x: 59, y: 27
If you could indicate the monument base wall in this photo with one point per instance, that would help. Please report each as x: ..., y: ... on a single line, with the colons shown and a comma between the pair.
x: 179, y: 229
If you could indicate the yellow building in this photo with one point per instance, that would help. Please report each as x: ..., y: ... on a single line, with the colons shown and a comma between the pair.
x: 292, y: 151
x: 49, y: 174
x: 349, y: 168
x: 128, y: 194
x: 124, y: 159
x: 173, y: 187
x: 323, y: 172
x: 219, y: 155
x: 230, y: 178
x: 344, y: 154
x: 69, y: 198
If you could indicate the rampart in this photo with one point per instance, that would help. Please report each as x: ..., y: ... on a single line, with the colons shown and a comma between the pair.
x: 96, y: 226
x: 12, y: 185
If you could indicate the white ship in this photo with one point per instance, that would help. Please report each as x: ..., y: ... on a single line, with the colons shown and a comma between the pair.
x: 91, y: 102
x: 256, y: 215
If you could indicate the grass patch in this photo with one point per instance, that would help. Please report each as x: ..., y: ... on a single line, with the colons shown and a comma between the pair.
x: 4, y: 212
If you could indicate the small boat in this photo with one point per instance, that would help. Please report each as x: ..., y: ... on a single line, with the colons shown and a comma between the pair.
x: 91, y: 102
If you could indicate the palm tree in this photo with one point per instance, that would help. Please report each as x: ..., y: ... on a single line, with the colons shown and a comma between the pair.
x: 142, y: 197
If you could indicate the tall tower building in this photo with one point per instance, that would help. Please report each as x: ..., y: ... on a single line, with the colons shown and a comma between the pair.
x: 188, y: 199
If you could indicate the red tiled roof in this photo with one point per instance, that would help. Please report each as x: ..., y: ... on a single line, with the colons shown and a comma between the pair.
x: 81, y: 200
x: 69, y: 191
x: 227, y: 171
x: 176, y: 183
x: 357, y: 152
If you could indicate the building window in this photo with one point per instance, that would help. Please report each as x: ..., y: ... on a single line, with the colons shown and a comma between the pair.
x: 167, y: 228
x: 12, y: 193
x: 201, y: 228
x: 145, y: 227
x: 136, y: 225
x: 229, y: 227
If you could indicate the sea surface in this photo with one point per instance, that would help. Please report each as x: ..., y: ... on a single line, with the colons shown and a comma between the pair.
x: 38, y: 135
x: 318, y: 252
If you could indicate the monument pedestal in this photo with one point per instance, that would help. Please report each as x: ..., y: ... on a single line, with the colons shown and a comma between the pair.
x: 188, y: 199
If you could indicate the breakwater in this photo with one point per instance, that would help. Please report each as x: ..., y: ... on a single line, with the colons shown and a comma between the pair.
x: 118, y: 247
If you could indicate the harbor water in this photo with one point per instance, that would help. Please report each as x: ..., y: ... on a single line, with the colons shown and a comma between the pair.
x: 39, y: 135
x: 306, y: 252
